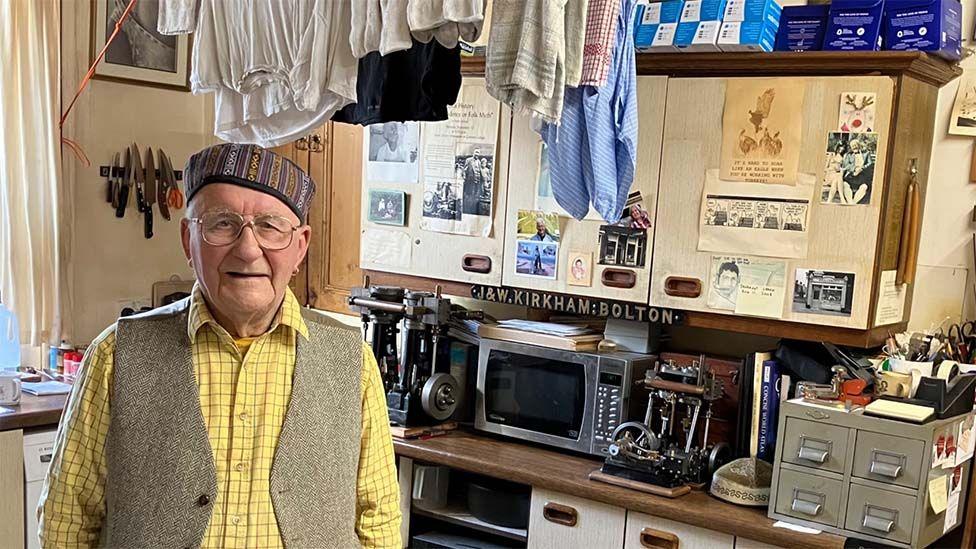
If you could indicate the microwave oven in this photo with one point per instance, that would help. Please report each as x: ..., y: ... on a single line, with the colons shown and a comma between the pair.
x: 565, y: 399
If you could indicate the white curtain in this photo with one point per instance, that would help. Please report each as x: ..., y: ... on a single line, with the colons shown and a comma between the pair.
x: 30, y: 164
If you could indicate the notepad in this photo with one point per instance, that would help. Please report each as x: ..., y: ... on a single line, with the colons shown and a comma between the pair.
x: 46, y: 388
x: 899, y: 410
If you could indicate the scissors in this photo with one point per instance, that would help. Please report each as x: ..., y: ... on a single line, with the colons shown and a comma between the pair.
x: 174, y: 197
x: 962, y: 339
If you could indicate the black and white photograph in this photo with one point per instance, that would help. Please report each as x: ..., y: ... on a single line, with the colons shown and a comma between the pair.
x: 849, y: 168
x: 963, y: 118
x: 623, y: 246
x: 442, y: 200
x: 392, y: 152
x: 823, y: 292
x: 387, y: 207
x: 474, y: 166
x: 535, y: 258
x: 139, y: 53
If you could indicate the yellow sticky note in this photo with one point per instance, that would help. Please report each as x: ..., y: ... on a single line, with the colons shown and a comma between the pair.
x: 939, y: 493
x: 760, y: 300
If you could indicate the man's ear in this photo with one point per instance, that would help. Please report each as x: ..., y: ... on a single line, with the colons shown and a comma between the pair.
x: 303, y: 234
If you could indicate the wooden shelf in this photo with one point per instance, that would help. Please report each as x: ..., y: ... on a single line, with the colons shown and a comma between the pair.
x: 456, y: 513
x: 930, y: 69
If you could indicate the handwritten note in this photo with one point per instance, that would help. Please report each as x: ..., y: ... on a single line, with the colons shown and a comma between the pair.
x: 939, y: 493
x: 760, y: 300
x: 891, y: 300
x: 384, y: 247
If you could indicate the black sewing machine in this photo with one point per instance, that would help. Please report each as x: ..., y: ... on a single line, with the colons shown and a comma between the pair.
x: 417, y: 393
x: 670, y: 448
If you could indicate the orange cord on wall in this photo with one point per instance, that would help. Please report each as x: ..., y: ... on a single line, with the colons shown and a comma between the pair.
x: 75, y: 147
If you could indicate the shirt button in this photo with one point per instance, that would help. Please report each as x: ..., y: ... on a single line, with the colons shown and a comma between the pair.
x: 241, y: 466
x: 243, y: 416
x: 203, y: 500
x: 236, y: 520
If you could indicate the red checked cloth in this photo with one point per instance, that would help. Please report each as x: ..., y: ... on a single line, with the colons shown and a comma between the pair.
x: 601, y: 27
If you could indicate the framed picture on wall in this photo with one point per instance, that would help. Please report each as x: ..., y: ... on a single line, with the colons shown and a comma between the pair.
x: 139, y: 54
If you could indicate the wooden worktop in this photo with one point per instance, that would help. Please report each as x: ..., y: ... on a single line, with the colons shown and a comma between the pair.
x: 531, y: 465
x: 33, y: 411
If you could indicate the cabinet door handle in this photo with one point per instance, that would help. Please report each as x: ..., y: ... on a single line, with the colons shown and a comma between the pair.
x: 888, y: 464
x: 618, y: 278
x: 682, y: 286
x: 814, y: 449
x: 806, y: 502
x: 474, y: 263
x: 879, y: 518
x: 560, y: 514
x: 656, y: 539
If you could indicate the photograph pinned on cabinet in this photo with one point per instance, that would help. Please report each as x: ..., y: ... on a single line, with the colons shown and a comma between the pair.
x: 474, y: 166
x: 442, y: 199
x: 623, y: 246
x: 849, y: 168
x: 392, y: 152
x: 536, y: 258
x: 857, y: 112
x: 823, y: 292
x: 963, y: 118
x: 729, y: 274
x: 580, y: 269
x: 537, y: 225
x: 387, y: 207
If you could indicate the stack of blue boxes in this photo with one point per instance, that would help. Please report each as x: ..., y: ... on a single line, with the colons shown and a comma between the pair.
x: 699, y: 25
x: 655, y: 25
x: 749, y: 25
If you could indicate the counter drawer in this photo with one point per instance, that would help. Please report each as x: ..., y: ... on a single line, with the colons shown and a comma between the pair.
x: 559, y: 520
x: 880, y: 513
x: 816, y: 445
x: 646, y: 531
x: 889, y: 459
x: 809, y: 497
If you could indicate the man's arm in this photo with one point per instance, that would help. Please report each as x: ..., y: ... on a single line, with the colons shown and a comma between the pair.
x: 377, y: 489
x: 72, y: 504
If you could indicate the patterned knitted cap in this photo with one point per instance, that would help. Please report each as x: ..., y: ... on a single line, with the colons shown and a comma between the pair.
x: 252, y: 167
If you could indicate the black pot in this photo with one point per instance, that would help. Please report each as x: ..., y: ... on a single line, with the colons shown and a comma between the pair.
x: 502, y: 504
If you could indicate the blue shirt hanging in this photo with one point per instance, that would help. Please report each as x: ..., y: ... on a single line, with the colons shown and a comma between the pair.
x: 593, y: 151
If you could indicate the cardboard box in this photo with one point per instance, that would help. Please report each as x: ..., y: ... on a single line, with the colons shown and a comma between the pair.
x: 854, y: 25
x: 655, y: 25
x: 933, y: 26
x: 748, y: 35
x: 751, y: 10
x: 699, y: 26
x: 802, y: 28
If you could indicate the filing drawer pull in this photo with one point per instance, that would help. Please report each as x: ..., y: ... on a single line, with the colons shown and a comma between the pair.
x: 879, y: 518
x: 656, y: 539
x: 560, y: 514
x: 888, y: 464
x: 681, y: 286
x: 476, y: 263
x: 806, y: 502
x: 814, y: 449
x: 619, y: 278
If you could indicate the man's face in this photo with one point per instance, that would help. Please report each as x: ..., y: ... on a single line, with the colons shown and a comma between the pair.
x: 728, y: 281
x: 540, y: 228
x: 855, y: 147
x: 241, y: 280
x: 390, y: 133
x: 477, y: 154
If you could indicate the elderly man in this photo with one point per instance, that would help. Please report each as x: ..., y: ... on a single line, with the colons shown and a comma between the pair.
x: 233, y: 418
x: 542, y: 233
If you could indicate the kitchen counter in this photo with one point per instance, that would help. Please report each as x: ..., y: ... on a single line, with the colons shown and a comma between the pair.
x: 522, y: 463
x: 33, y: 411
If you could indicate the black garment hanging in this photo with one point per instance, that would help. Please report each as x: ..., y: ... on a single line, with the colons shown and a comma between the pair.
x: 414, y: 84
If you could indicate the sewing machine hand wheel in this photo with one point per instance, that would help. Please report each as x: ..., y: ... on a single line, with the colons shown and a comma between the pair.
x: 719, y: 455
x: 438, y: 397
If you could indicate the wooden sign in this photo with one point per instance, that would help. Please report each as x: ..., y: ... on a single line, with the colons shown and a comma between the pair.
x: 580, y: 305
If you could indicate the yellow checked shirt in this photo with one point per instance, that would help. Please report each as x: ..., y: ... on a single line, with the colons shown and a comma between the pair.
x: 245, y: 387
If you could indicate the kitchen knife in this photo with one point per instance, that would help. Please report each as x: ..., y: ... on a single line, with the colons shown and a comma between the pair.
x: 110, y: 191
x: 149, y: 193
x: 139, y: 178
x: 162, y: 191
x: 123, y: 197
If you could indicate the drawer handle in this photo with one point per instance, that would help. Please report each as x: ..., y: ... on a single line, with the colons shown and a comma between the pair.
x: 619, y: 278
x: 814, y: 449
x: 806, y: 502
x: 560, y: 514
x: 888, y: 464
x: 681, y: 286
x: 474, y: 263
x: 656, y: 539
x: 879, y: 518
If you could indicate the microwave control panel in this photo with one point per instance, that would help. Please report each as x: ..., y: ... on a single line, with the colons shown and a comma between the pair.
x: 610, y: 400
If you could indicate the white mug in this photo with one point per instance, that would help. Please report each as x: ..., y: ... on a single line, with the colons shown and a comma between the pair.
x: 9, y: 388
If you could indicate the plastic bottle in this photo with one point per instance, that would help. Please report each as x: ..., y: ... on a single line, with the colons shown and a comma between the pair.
x: 9, y: 339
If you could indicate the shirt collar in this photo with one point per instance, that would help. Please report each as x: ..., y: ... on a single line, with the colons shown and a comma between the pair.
x: 289, y: 314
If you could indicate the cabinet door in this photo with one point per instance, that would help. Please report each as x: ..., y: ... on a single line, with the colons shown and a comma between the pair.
x: 584, y: 236
x: 557, y: 521
x: 647, y: 531
x: 408, y: 249
x: 841, y: 239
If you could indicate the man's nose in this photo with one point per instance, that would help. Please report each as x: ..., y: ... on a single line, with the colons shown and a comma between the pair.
x: 247, y: 246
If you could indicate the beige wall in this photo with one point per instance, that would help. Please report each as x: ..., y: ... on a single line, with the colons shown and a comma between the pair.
x: 110, y: 258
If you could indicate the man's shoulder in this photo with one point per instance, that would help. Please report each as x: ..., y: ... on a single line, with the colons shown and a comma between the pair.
x: 160, y: 313
x: 323, y: 319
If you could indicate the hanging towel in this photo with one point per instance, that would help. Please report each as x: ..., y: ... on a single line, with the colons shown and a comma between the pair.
x: 593, y: 153
x: 601, y: 25
x: 575, y: 31
x: 447, y: 21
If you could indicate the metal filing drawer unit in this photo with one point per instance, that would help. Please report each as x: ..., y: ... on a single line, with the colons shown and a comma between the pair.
x: 858, y: 475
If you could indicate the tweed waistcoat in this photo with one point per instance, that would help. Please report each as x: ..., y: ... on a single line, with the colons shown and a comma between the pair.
x: 161, y: 480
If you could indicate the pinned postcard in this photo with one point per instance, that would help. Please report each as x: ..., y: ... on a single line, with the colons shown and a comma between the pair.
x: 392, y: 152
x: 536, y: 258
x: 580, y: 269
x: 891, y: 300
x: 761, y: 130
x: 623, y: 246
x: 823, y: 292
x: 744, y: 218
x: 385, y: 247
x: 537, y: 225
x: 849, y: 168
x: 964, y: 440
x: 764, y: 281
x: 857, y: 112
x: 386, y: 207
x: 963, y: 119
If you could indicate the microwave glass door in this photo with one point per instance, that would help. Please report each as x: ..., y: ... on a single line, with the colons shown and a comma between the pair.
x: 535, y: 394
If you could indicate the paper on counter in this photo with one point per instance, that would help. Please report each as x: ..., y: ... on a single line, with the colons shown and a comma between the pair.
x: 891, y: 300
x: 386, y: 247
x: 796, y: 528
x: 939, y: 493
x: 748, y: 218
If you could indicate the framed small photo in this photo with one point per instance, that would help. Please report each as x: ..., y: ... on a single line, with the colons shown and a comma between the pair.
x: 139, y: 54
x: 580, y: 269
x: 387, y: 207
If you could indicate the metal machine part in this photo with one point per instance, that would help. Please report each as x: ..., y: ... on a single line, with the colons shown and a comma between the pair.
x: 438, y: 396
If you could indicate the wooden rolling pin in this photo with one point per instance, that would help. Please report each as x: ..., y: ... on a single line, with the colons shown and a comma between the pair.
x: 908, y: 250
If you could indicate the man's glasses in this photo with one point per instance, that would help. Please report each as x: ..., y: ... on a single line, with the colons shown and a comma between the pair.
x: 272, y: 232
